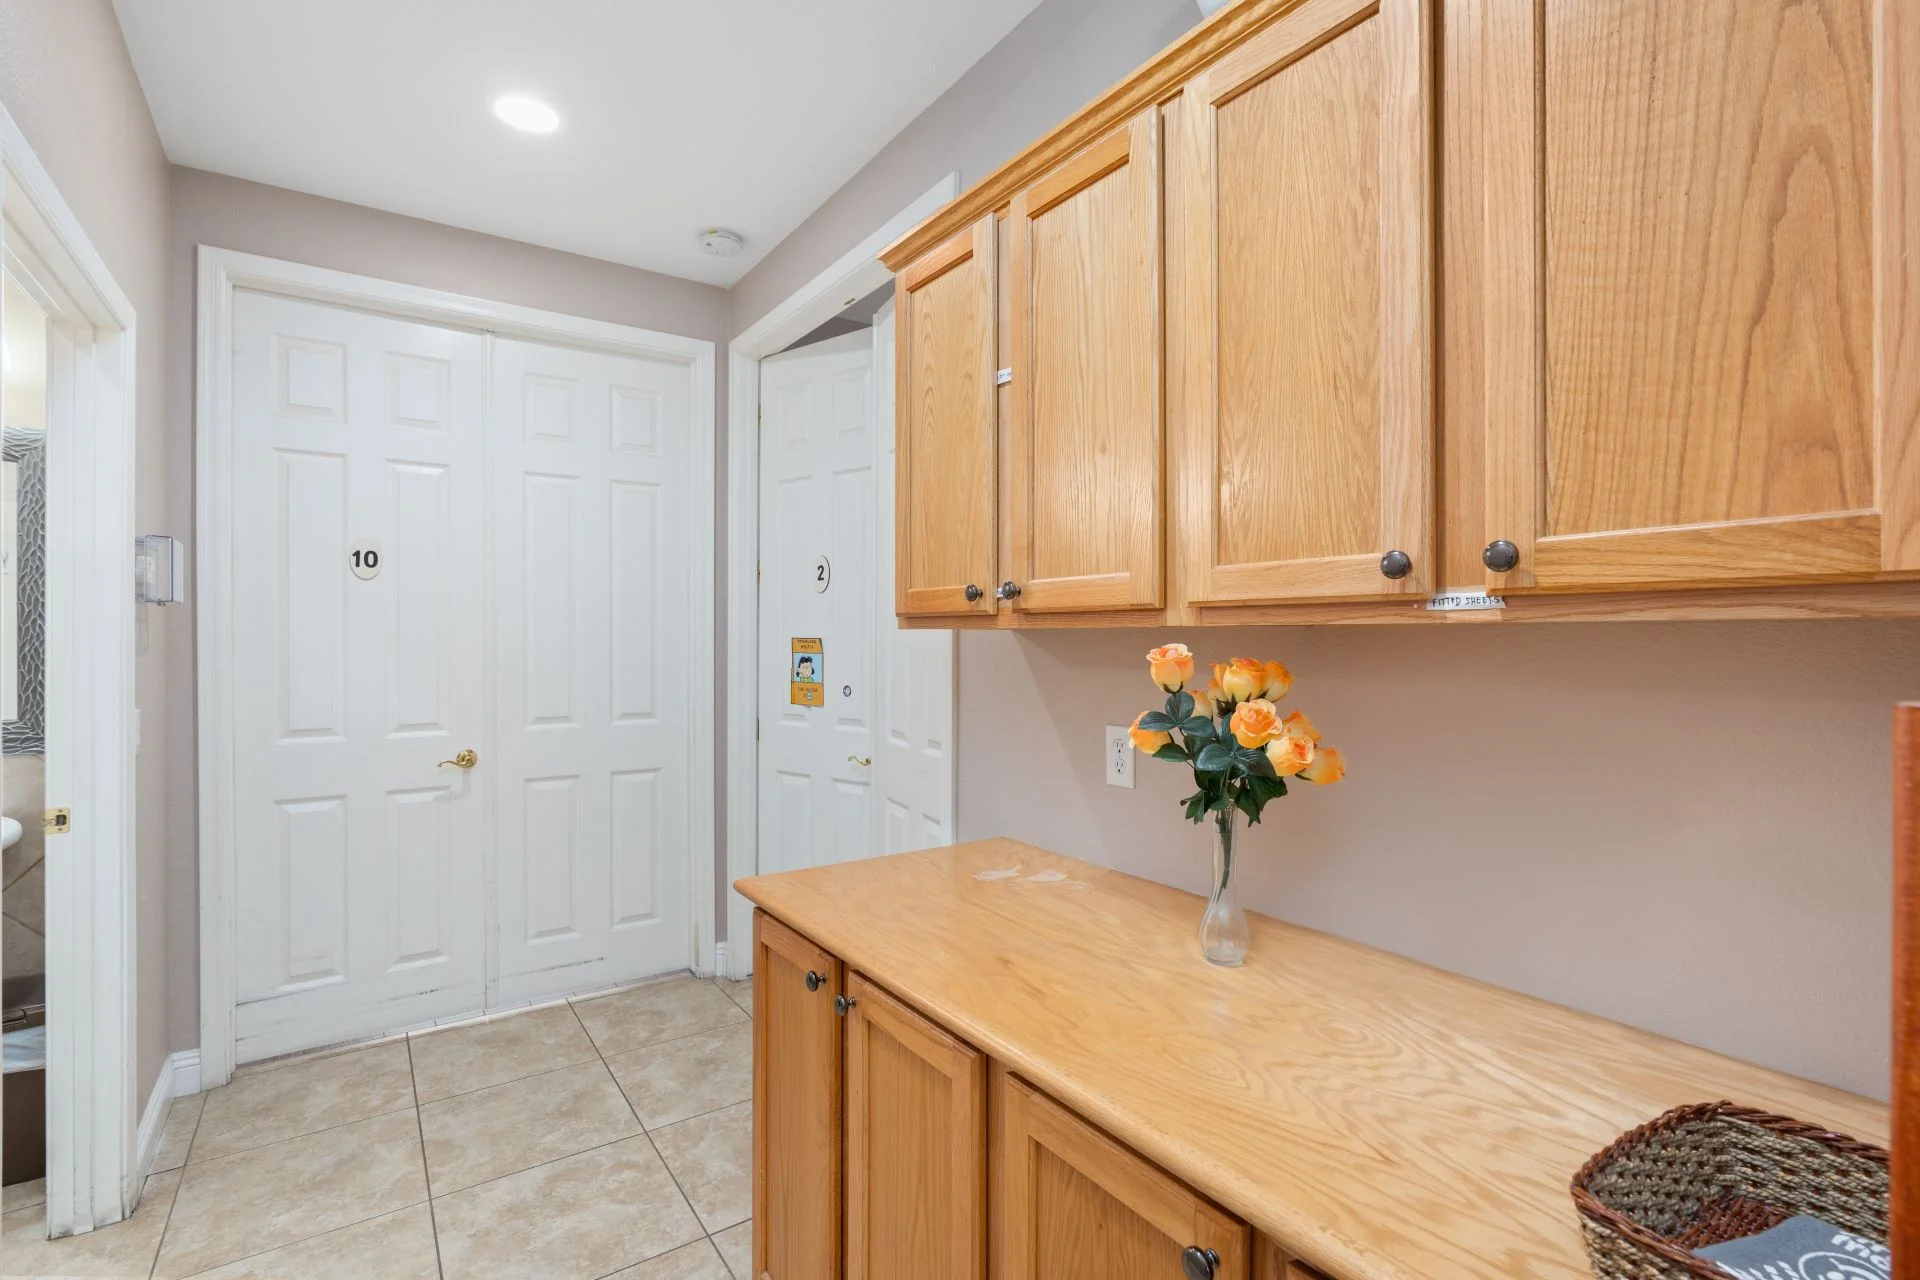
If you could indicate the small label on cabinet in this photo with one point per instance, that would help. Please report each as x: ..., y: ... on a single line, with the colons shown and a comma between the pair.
x: 1003, y: 377
x: 1464, y: 602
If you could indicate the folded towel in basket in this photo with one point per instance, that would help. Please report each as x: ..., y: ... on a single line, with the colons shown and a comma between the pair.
x: 1802, y: 1248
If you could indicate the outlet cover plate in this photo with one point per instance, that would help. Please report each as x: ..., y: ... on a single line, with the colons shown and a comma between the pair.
x: 1120, y: 755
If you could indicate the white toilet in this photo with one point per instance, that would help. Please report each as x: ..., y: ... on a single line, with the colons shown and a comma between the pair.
x: 9, y: 832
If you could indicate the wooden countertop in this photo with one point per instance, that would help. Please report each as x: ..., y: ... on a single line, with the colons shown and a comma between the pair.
x: 1380, y: 1118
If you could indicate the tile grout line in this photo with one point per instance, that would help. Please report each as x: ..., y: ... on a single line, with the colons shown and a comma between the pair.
x: 295, y: 1137
x: 426, y: 1174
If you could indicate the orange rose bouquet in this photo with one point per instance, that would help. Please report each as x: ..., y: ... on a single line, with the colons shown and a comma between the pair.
x: 1242, y: 751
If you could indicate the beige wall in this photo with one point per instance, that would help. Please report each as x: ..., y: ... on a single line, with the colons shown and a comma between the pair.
x: 1685, y: 826
x: 67, y: 81
x: 232, y: 214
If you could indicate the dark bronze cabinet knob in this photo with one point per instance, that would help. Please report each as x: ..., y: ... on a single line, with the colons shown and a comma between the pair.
x: 814, y: 981
x: 973, y: 593
x: 1500, y: 556
x: 1198, y: 1263
x: 1396, y: 565
x: 1007, y: 591
x: 843, y: 1003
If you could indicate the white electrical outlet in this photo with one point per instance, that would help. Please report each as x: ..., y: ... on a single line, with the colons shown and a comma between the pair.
x: 1119, y: 757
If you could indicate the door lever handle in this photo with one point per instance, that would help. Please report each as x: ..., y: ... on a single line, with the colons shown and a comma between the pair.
x: 865, y: 762
x: 463, y: 760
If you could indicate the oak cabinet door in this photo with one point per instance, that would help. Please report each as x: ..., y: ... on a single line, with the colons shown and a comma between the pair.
x: 1702, y: 325
x: 947, y: 474
x: 916, y: 1145
x: 796, y: 1106
x: 1087, y: 502
x: 1300, y: 334
x: 1070, y: 1203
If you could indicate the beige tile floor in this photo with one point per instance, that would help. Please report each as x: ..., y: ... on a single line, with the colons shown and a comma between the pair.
x: 604, y: 1137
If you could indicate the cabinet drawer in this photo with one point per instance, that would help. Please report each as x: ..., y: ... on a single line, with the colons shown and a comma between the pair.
x: 1072, y: 1204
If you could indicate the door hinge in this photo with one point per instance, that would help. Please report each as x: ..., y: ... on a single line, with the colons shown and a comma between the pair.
x: 57, y: 822
x: 758, y: 572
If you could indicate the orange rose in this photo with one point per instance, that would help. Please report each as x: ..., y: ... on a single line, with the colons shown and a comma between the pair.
x: 1148, y: 740
x: 1326, y: 766
x: 1255, y: 723
x: 1206, y: 702
x: 1279, y: 680
x: 1242, y: 679
x: 1289, y: 755
x: 1171, y: 665
x: 1297, y: 725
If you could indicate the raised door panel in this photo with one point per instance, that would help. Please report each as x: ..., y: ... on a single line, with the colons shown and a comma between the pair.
x: 797, y: 1081
x: 916, y: 1133
x: 1300, y: 185
x: 946, y: 531
x: 1087, y: 501
x: 1699, y: 346
x: 1070, y: 1203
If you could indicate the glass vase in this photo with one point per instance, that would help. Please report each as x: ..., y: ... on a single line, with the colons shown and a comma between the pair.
x: 1223, y: 927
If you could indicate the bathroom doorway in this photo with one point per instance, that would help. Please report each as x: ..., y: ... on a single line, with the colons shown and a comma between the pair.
x: 23, y: 759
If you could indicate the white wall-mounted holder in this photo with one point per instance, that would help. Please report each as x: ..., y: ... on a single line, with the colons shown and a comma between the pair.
x: 159, y: 569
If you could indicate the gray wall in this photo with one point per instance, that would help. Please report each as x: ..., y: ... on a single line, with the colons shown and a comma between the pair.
x: 67, y: 81
x: 1685, y: 827
x: 233, y: 214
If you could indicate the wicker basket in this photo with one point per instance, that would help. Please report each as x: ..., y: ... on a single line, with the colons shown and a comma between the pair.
x: 1705, y: 1174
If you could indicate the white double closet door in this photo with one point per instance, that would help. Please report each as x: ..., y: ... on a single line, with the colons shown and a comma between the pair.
x: 447, y: 541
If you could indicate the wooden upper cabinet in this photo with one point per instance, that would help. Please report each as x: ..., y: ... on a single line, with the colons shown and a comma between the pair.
x: 1702, y: 324
x: 1300, y: 299
x: 796, y: 1106
x: 945, y: 528
x: 1087, y: 505
x: 1070, y: 1203
x: 916, y: 1145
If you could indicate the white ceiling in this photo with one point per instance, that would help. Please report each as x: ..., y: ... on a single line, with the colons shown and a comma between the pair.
x: 679, y: 114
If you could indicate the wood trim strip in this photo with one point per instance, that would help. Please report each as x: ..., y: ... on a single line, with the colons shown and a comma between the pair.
x: 1153, y: 82
x: 940, y: 261
x: 1904, y: 1236
x: 1845, y: 544
x: 1896, y: 169
x: 1085, y: 169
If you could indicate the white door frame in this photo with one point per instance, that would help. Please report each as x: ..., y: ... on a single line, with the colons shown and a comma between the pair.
x: 93, y: 1169
x: 221, y: 271
x: 858, y: 273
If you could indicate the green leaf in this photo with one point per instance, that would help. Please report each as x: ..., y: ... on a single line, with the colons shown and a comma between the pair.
x: 1180, y: 705
x: 1168, y: 751
x: 1220, y: 804
x: 1157, y: 722
x: 1213, y: 758
x: 1268, y: 787
x: 1249, y: 803
x: 1197, y: 727
x: 1196, y: 806
x: 1258, y: 766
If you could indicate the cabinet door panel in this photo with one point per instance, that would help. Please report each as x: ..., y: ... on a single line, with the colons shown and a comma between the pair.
x: 947, y: 474
x: 1304, y: 176
x: 1087, y: 502
x: 1684, y: 383
x: 1072, y: 1204
x: 916, y: 1145
x: 796, y: 1106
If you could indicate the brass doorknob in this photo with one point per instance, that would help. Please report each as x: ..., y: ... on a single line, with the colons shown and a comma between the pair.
x: 865, y: 762
x: 464, y: 760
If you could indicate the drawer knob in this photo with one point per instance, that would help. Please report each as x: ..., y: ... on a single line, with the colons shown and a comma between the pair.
x: 1396, y: 565
x: 1007, y: 591
x: 973, y: 593
x: 1198, y: 1263
x: 1500, y: 556
x: 843, y: 1003
x: 814, y: 981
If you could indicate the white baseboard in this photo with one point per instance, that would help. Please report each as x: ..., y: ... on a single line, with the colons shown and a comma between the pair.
x: 720, y: 960
x: 179, y: 1076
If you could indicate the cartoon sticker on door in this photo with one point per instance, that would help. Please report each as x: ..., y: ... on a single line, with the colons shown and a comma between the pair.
x: 809, y: 683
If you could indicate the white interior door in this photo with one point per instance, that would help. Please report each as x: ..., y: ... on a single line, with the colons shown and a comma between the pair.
x: 914, y: 757
x: 817, y: 582
x: 592, y: 557
x: 359, y: 861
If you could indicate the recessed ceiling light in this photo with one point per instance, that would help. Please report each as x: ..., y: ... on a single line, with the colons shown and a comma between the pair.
x: 529, y: 115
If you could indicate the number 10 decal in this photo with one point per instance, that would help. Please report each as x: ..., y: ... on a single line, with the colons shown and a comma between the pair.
x: 364, y: 558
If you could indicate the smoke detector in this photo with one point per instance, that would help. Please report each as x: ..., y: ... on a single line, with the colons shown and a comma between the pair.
x: 721, y: 244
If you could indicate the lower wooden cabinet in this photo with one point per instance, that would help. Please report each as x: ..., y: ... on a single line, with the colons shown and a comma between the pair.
x: 797, y: 1096
x: 916, y: 1172
x: 881, y: 1151
x: 1070, y: 1203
